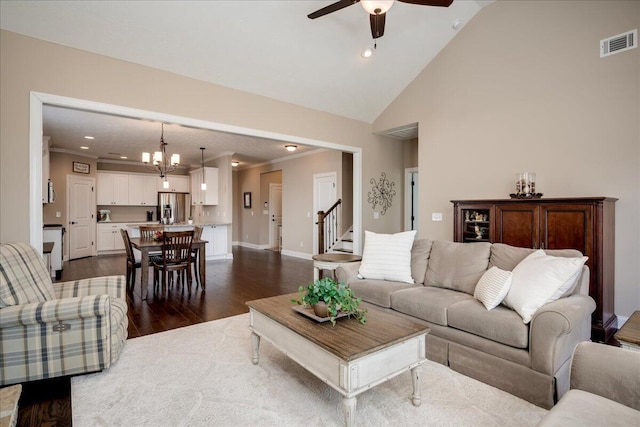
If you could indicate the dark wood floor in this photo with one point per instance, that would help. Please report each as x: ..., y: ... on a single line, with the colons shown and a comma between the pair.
x: 250, y: 275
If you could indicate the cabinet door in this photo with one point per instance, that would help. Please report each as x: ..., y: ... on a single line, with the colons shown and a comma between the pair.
x: 210, y: 195
x: 207, y: 234
x: 219, y: 240
x: 142, y: 190
x: 567, y: 227
x: 518, y: 225
x: 105, y: 189
x: 120, y: 189
x: 196, y: 191
x: 105, y: 238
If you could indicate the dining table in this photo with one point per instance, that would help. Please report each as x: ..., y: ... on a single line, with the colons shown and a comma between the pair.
x: 146, y: 246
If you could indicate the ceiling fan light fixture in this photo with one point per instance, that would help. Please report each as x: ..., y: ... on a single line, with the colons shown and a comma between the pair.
x: 367, y: 53
x: 376, y: 7
x: 291, y: 147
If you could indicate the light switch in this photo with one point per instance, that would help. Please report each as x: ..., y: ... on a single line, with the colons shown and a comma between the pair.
x: 265, y: 212
x: 376, y: 215
x: 436, y: 216
x: 58, y: 214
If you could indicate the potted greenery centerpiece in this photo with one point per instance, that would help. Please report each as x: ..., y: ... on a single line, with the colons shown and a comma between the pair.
x: 330, y: 298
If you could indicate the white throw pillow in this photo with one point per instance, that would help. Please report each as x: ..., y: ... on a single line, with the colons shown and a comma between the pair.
x: 387, y: 256
x: 493, y: 287
x: 540, y: 279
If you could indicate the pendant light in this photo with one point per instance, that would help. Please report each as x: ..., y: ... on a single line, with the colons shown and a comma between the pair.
x: 203, y: 186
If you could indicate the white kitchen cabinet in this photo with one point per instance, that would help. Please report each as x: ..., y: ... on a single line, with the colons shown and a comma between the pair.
x: 209, y: 196
x: 113, y: 189
x: 142, y: 190
x: 177, y: 183
x: 109, y: 237
x: 216, y: 237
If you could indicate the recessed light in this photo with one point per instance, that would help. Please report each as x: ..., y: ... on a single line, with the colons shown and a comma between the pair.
x: 84, y: 148
x: 291, y: 147
x: 367, y: 53
x: 88, y: 137
x: 123, y: 157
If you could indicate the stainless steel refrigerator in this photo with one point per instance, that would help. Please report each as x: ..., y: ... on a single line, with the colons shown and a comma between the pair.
x: 173, y: 208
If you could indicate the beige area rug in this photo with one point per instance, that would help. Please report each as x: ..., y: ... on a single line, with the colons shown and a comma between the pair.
x: 202, y: 375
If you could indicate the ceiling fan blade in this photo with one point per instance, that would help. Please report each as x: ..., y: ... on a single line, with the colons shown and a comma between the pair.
x: 377, y: 25
x: 331, y: 8
x: 441, y: 3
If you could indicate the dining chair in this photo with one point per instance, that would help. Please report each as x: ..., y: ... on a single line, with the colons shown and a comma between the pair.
x: 149, y: 232
x: 132, y: 262
x: 195, y: 253
x: 176, y: 257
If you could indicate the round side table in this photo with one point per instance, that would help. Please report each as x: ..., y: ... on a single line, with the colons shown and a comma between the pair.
x: 331, y: 262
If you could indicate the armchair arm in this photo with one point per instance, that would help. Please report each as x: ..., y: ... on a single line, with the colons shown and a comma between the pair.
x: 556, y: 329
x: 607, y: 371
x: 113, y: 286
x: 347, y: 272
x: 55, y: 310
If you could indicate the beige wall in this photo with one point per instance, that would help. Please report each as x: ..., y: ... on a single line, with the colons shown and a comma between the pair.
x: 28, y: 64
x: 522, y: 88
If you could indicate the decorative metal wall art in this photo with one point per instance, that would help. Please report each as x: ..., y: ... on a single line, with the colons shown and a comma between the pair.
x: 381, y: 193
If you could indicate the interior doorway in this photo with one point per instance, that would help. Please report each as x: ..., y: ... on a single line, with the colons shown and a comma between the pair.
x: 81, y: 203
x: 275, y: 215
x: 325, y: 194
x: 411, y: 199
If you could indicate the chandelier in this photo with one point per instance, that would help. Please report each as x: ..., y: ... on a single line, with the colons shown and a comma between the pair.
x: 160, y: 162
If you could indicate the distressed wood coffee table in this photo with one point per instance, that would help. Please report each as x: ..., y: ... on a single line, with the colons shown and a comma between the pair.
x: 350, y: 357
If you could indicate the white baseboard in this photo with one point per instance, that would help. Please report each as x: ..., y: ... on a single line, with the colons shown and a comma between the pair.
x: 296, y: 254
x: 248, y: 245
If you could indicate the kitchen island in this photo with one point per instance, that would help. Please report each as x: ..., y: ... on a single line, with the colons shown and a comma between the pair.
x: 215, y: 233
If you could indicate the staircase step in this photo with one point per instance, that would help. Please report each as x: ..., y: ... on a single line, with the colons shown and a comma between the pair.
x: 347, y: 240
x: 344, y: 250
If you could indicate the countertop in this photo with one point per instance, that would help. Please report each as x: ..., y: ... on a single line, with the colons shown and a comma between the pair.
x: 134, y: 224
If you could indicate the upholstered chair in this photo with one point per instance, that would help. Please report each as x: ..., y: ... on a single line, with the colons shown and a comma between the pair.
x: 55, y: 329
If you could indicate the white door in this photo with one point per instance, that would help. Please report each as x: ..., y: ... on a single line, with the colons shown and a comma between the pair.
x: 411, y: 199
x: 81, y: 201
x: 325, y: 194
x: 275, y: 214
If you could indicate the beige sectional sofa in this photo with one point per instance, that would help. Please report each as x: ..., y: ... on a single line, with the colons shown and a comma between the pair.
x: 494, y: 346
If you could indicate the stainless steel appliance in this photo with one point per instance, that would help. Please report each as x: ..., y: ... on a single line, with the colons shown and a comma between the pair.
x: 173, y: 207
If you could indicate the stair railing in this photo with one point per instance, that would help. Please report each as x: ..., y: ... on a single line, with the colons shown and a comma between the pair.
x: 328, y: 227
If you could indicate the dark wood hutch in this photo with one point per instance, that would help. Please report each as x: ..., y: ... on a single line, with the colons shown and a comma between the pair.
x: 586, y: 224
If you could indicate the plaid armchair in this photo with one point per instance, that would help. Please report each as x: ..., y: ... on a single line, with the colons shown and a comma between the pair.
x: 50, y: 330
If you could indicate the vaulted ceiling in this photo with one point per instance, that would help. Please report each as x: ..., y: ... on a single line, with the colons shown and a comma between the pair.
x: 264, y: 47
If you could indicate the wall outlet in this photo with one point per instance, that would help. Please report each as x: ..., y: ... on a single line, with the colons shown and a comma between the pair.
x: 308, y: 214
x: 301, y: 244
x: 436, y: 216
x: 251, y: 213
x: 376, y: 215
x: 58, y: 214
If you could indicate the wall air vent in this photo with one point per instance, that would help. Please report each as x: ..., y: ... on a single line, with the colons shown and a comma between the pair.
x: 619, y: 43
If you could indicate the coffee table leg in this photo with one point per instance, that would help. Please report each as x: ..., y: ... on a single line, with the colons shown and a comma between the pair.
x: 349, y: 404
x: 255, y: 341
x: 417, y: 392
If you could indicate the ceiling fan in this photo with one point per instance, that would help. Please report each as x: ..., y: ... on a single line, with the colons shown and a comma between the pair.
x: 377, y: 10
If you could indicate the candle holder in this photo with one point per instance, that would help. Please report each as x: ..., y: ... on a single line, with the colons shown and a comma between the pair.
x: 526, y: 186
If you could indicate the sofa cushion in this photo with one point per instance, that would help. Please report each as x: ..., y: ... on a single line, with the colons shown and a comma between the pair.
x: 501, y: 324
x: 23, y: 276
x: 427, y: 303
x: 540, y: 279
x: 377, y: 292
x: 387, y: 256
x: 506, y: 257
x: 419, y: 259
x: 581, y: 408
x: 493, y: 287
x: 457, y: 266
